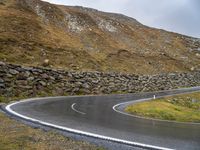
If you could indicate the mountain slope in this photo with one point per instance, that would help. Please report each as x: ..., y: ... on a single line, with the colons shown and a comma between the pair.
x: 78, y: 38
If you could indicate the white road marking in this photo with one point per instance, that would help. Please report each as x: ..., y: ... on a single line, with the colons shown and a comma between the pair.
x: 73, y: 105
x: 129, y: 102
x: 140, y: 117
x: 9, y: 109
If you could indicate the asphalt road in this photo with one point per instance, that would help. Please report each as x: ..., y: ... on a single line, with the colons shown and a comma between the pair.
x: 95, y: 115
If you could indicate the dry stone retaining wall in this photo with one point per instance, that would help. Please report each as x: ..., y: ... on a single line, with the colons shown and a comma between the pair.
x: 30, y: 81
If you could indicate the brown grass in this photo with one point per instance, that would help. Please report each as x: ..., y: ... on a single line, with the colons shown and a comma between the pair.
x: 16, y: 136
x: 28, y: 39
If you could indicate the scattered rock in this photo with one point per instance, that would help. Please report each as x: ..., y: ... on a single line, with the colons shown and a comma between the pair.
x: 86, y: 86
x: 197, y: 54
x: 46, y: 63
x: 30, y: 78
x: 42, y: 83
x: 107, y: 25
x: 1, y: 81
x: 13, y: 72
x: 192, y: 69
x: 2, y: 63
x: 21, y: 77
x: 2, y: 85
x: 52, y: 78
x: 21, y: 82
x: 45, y: 76
x: 25, y: 87
x: 27, y: 74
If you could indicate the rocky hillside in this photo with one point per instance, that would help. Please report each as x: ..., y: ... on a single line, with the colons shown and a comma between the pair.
x: 78, y: 38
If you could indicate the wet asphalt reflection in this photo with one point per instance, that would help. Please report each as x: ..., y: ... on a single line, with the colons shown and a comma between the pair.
x: 98, y: 117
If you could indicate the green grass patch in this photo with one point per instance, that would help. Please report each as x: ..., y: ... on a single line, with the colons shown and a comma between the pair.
x: 181, y: 108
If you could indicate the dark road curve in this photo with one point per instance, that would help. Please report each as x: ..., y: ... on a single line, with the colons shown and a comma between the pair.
x: 94, y: 116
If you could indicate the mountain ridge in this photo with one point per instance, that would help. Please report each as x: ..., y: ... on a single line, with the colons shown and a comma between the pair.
x: 79, y: 38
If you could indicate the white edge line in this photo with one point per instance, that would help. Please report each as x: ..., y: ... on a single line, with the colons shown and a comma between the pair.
x: 129, y: 102
x: 9, y: 109
x: 140, y: 117
x: 72, y: 107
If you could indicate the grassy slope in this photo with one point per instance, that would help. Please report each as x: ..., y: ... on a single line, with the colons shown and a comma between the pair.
x: 24, y: 40
x: 183, y: 108
x: 16, y: 136
x: 26, y: 37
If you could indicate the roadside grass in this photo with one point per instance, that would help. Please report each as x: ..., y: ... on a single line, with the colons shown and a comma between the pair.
x: 181, y: 108
x: 16, y: 136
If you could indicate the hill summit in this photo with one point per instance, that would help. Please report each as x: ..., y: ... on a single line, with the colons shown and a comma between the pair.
x: 78, y: 38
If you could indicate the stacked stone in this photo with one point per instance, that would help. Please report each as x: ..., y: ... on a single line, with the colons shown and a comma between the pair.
x: 17, y: 80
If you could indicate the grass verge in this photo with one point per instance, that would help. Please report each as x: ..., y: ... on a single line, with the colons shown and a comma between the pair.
x: 181, y: 108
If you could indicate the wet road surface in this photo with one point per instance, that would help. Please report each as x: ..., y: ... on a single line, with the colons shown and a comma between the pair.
x: 95, y: 114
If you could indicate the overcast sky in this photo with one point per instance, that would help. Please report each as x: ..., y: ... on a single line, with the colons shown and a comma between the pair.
x: 182, y: 16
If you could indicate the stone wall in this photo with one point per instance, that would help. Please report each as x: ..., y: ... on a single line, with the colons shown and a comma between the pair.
x: 31, y: 81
